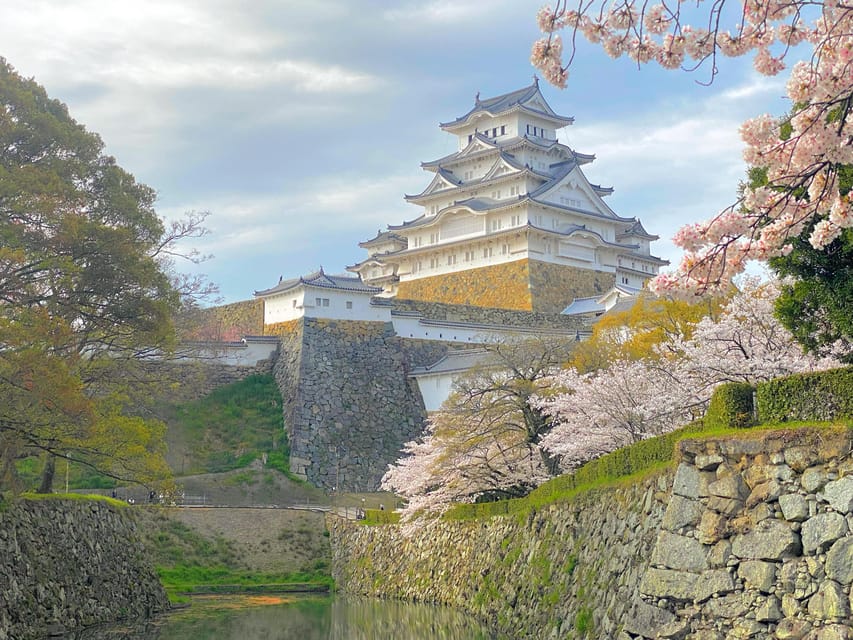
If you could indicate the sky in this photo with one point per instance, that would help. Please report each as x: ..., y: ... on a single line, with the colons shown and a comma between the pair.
x: 299, y: 125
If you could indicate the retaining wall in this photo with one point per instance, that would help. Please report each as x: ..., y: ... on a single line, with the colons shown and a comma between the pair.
x: 66, y: 564
x: 749, y: 537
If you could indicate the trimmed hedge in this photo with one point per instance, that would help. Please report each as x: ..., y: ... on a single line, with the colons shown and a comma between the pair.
x: 731, y: 406
x: 826, y: 395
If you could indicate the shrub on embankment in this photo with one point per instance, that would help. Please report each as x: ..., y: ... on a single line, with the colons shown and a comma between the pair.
x: 69, y: 562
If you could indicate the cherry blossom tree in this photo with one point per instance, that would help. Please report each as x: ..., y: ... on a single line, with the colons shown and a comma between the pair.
x: 484, y: 443
x: 802, y: 154
x: 629, y: 401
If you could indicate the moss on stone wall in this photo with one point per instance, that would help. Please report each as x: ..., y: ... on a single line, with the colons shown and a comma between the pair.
x: 523, y: 285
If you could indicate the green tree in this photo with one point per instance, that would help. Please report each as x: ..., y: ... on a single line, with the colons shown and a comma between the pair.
x: 86, y: 291
x: 817, y: 305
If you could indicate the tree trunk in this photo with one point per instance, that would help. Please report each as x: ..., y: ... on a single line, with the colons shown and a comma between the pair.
x: 47, y: 474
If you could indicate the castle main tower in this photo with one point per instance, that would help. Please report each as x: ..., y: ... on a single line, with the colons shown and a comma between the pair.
x: 509, y: 220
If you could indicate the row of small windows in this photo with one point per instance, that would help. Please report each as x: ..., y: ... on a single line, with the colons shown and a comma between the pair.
x: 494, y: 132
x: 643, y: 266
x: 469, y: 256
x: 536, y: 131
x: 323, y: 302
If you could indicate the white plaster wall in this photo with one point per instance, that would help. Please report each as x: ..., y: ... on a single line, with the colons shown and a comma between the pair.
x: 435, y: 389
x: 337, y: 308
x: 231, y: 354
x: 281, y: 308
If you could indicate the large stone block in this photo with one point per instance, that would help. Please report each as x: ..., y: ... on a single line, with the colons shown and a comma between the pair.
x: 681, y: 512
x: 839, y: 494
x: 771, y: 540
x: 792, y: 629
x: 686, y: 482
x: 731, y: 486
x: 758, y: 574
x: 679, y: 552
x: 839, y: 561
x: 686, y: 587
x: 829, y: 603
x: 794, y: 507
x: 820, y: 531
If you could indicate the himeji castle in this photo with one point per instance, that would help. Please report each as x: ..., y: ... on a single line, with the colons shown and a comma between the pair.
x: 509, y: 220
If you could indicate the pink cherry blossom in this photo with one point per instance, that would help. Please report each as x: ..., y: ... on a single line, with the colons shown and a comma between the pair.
x: 800, y: 154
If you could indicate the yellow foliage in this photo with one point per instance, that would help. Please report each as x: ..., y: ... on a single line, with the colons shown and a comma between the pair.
x: 635, y: 333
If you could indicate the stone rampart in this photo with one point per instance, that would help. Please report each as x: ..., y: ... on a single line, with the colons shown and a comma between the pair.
x: 349, y: 405
x: 66, y: 564
x: 483, y: 315
x: 749, y: 537
x: 522, y: 285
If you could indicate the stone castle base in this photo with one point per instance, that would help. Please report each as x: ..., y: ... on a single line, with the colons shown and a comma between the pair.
x: 523, y: 285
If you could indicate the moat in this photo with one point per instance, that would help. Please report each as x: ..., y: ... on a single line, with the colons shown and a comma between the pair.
x: 281, y: 617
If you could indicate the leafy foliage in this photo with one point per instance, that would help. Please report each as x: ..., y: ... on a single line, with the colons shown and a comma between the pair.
x: 813, y: 396
x: 86, y: 292
x: 731, y: 406
x: 816, y: 306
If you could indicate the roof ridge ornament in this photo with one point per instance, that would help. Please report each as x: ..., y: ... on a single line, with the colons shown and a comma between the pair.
x: 535, y: 80
x: 477, y: 98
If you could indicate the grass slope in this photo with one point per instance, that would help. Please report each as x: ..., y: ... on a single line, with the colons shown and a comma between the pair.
x: 228, y: 429
x: 236, y: 550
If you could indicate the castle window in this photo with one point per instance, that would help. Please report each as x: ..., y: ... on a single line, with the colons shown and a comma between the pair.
x: 470, y: 137
x: 624, y: 280
x: 487, y: 252
x: 503, y: 129
x: 528, y: 128
x: 349, y: 304
x: 433, y: 263
x: 294, y: 303
x: 433, y: 238
x: 318, y: 301
x: 325, y: 302
x: 504, y: 249
x: 451, y: 259
x: 516, y: 220
x: 495, y: 132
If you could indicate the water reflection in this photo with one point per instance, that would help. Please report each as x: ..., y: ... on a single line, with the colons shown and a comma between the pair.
x: 300, y: 618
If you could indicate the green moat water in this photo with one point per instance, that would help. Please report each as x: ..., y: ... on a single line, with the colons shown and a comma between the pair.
x: 301, y: 618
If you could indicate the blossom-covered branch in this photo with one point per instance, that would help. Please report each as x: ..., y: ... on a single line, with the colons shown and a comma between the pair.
x: 801, y: 155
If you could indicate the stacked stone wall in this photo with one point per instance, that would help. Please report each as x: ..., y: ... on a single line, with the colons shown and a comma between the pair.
x: 553, y: 287
x: 225, y: 322
x: 186, y: 381
x: 502, y: 286
x: 749, y: 537
x: 349, y: 405
x: 67, y: 564
x: 484, y: 315
x: 523, y: 285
